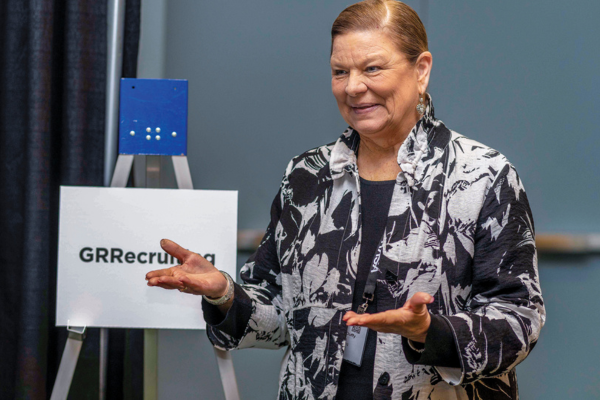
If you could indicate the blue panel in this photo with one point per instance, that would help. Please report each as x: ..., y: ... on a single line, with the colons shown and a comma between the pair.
x: 153, y: 117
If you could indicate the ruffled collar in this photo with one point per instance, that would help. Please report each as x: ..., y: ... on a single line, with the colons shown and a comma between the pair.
x: 410, y: 155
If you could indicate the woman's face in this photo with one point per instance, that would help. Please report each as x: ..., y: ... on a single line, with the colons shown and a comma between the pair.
x: 376, y: 87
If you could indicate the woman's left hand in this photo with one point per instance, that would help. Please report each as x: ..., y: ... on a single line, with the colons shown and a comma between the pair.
x: 411, y: 321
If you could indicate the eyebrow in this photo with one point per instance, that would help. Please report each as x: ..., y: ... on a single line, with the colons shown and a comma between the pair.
x: 368, y: 60
x: 378, y: 57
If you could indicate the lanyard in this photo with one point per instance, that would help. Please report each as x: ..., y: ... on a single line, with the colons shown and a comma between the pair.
x: 369, y: 292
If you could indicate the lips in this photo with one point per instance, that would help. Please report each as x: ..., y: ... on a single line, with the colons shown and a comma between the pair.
x: 364, y: 108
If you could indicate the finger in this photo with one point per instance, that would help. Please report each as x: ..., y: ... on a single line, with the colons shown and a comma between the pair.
x: 153, y: 282
x: 386, y: 322
x: 418, y: 302
x: 175, y: 250
x: 358, y: 319
x: 373, y: 319
x: 348, y: 315
x: 166, y: 282
x: 159, y: 272
x: 168, y: 287
x: 194, y: 286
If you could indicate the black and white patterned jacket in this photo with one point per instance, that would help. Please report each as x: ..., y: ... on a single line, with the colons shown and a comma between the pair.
x: 468, y: 240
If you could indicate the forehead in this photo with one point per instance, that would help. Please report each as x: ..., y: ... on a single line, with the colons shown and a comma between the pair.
x: 361, y: 46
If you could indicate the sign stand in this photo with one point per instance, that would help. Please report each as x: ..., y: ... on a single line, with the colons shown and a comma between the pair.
x: 68, y: 363
x: 170, y: 110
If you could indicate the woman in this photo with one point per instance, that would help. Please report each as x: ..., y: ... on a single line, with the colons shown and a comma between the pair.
x: 427, y: 231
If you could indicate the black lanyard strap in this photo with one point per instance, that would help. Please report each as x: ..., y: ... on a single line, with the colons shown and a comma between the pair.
x: 369, y: 292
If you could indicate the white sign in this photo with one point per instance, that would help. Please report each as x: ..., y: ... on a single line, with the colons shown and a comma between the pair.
x: 110, y: 238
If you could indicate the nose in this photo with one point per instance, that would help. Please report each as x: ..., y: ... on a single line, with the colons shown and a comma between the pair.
x: 355, y: 85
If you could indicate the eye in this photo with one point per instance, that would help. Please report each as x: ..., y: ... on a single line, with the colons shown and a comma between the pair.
x: 339, y: 72
x: 373, y: 69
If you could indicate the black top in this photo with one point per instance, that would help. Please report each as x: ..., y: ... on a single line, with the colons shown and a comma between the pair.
x: 356, y: 382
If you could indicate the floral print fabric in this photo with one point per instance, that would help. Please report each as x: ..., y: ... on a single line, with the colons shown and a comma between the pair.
x: 467, y: 239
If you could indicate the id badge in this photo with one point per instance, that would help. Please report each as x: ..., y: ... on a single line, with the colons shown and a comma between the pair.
x: 355, y: 344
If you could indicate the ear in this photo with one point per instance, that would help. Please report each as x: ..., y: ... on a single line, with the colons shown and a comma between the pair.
x: 423, y: 68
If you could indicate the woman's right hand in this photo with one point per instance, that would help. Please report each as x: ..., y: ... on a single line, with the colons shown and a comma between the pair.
x: 195, y: 275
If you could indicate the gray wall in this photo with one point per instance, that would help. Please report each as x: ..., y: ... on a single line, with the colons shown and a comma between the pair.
x: 521, y: 77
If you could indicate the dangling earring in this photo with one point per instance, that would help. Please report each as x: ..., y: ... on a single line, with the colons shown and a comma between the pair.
x: 421, y: 105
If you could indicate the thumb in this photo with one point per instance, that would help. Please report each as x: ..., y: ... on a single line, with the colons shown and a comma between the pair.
x: 175, y: 250
x: 418, y: 302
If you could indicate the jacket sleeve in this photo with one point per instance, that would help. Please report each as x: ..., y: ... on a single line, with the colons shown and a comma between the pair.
x: 259, y: 298
x: 502, y: 319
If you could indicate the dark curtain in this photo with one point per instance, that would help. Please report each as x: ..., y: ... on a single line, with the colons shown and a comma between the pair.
x: 52, y: 110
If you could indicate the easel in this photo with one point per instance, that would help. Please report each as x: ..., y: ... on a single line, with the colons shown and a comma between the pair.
x: 147, y: 145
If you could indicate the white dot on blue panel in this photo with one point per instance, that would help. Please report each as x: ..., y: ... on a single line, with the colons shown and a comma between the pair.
x: 157, y: 130
x: 148, y: 137
x: 132, y: 133
x: 157, y: 137
x: 174, y: 134
x: 148, y: 129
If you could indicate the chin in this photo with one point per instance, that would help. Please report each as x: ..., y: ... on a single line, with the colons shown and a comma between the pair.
x: 367, y: 129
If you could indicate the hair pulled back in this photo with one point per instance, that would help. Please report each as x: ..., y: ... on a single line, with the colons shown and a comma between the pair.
x: 396, y: 18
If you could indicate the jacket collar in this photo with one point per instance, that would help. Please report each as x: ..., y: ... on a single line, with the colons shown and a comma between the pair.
x: 410, y: 155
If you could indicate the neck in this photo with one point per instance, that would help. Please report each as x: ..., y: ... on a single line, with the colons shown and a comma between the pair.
x: 377, y: 162
x: 378, y: 155
x: 377, y: 148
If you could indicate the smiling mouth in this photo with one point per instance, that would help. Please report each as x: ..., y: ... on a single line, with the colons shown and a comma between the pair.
x: 364, y: 108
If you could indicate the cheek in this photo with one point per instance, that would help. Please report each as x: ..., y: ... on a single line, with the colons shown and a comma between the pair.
x: 340, y: 96
x: 408, y: 92
x: 384, y: 90
x: 338, y: 90
x: 400, y: 101
x: 397, y: 90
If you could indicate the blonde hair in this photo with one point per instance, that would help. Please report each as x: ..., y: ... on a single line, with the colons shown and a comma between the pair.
x: 400, y: 21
